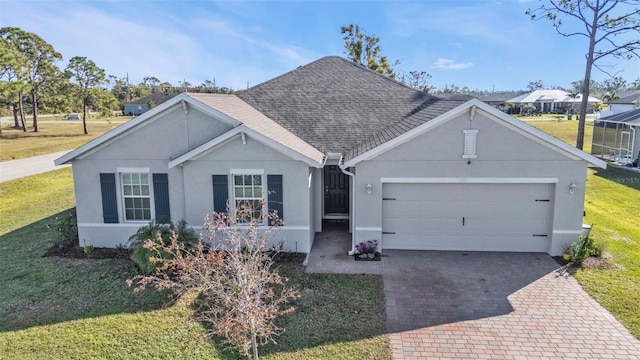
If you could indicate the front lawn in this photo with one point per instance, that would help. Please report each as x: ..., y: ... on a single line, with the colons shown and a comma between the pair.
x: 566, y: 131
x: 613, y: 207
x: 58, y: 308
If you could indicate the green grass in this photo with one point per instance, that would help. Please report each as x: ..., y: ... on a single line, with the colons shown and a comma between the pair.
x: 56, y: 308
x: 566, y: 131
x: 612, y: 205
x: 52, y: 137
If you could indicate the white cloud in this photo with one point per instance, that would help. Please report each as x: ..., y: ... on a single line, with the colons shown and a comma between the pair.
x: 449, y: 64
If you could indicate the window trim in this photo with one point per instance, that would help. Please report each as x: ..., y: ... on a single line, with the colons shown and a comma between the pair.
x: 122, y: 211
x: 232, y: 190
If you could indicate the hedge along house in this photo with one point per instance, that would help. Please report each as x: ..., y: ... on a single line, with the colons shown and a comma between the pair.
x: 334, y: 140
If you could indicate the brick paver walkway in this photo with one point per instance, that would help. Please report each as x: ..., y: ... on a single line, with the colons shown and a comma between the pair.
x: 457, y: 305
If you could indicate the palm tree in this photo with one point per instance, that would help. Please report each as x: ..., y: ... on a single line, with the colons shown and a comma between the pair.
x: 610, y: 96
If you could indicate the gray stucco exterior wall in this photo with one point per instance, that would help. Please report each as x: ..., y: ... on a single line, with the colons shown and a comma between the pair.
x: 153, y: 144
x: 503, y: 153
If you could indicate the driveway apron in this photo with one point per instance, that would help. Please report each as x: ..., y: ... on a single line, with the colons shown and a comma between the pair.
x: 482, y: 305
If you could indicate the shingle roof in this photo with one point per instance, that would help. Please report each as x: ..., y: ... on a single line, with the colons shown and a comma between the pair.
x: 629, y: 117
x: 255, y: 120
x: 629, y: 99
x: 157, y: 98
x: 500, y: 96
x: 339, y: 106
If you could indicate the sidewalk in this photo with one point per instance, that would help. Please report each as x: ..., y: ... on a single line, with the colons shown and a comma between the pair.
x: 15, y: 169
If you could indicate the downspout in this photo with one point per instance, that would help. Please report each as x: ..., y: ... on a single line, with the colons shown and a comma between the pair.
x: 353, y: 202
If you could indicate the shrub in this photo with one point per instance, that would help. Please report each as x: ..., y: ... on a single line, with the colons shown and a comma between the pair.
x: 238, y: 292
x: 583, y: 248
x: 160, y: 234
x: 67, y: 228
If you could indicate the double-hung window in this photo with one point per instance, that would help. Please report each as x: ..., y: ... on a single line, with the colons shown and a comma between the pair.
x: 248, y: 196
x: 136, y: 195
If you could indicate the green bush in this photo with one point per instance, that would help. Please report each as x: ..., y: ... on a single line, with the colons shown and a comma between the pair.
x: 583, y: 248
x: 67, y: 228
x: 157, y: 232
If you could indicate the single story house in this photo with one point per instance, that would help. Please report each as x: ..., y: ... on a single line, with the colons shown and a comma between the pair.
x: 335, y: 140
x: 625, y: 103
x: 141, y: 106
x: 499, y: 100
x: 617, y: 137
x: 551, y: 101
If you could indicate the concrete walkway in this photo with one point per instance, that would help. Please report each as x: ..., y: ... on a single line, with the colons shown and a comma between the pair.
x: 15, y: 169
x: 481, y: 305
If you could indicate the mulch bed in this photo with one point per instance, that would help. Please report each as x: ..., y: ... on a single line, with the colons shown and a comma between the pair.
x: 289, y: 257
x: 592, y: 262
x: 67, y: 250
x: 73, y: 251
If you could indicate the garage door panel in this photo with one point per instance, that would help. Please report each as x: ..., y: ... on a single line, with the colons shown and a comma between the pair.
x: 445, y: 192
x: 462, y: 243
x: 474, y: 217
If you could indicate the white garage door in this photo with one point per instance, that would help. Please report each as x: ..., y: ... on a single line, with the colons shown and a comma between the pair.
x: 474, y: 217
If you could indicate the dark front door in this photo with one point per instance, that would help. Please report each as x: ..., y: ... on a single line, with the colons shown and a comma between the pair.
x: 336, y: 190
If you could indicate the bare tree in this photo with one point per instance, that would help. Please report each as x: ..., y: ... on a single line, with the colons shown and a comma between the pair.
x: 417, y: 80
x: 230, y: 269
x: 612, y: 27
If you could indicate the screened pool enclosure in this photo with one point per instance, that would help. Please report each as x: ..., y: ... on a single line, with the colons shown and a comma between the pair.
x: 615, y: 137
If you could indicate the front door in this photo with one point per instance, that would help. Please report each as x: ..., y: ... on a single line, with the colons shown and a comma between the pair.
x: 336, y: 191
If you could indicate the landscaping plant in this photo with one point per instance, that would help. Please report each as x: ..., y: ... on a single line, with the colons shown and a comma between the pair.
x: 367, y: 249
x: 583, y: 248
x: 237, y: 292
x: 162, y: 234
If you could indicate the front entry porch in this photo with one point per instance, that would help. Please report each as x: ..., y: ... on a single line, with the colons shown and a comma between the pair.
x: 329, y: 253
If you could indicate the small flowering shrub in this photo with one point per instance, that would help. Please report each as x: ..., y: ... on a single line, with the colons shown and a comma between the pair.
x: 367, y: 248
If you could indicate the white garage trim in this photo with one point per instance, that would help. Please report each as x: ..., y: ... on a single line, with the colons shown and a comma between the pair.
x: 408, y: 180
x: 570, y: 232
x: 368, y: 229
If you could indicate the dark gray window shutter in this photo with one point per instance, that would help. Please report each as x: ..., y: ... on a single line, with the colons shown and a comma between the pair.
x: 109, y: 198
x: 274, y: 195
x: 220, y: 193
x: 161, y: 197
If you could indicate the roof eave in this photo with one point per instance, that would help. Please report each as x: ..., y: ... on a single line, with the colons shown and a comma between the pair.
x: 212, y: 144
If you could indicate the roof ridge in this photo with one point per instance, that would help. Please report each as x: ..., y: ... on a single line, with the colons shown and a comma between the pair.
x: 353, y: 63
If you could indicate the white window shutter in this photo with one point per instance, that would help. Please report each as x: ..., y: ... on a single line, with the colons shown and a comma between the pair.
x: 470, y: 140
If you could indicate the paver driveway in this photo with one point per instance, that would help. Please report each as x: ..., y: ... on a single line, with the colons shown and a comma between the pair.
x: 495, y: 306
x: 474, y: 305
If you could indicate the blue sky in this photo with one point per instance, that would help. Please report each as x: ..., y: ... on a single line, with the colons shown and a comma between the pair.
x: 479, y: 44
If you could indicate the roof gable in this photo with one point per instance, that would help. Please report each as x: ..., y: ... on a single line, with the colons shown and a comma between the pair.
x: 477, y: 105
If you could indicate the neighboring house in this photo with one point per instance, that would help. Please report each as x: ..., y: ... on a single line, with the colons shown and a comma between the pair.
x: 552, y: 101
x: 334, y: 140
x: 626, y: 103
x: 500, y: 101
x: 141, y: 106
x: 617, y: 137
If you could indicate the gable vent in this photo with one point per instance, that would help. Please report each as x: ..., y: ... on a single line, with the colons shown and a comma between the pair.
x: 470, y: 136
